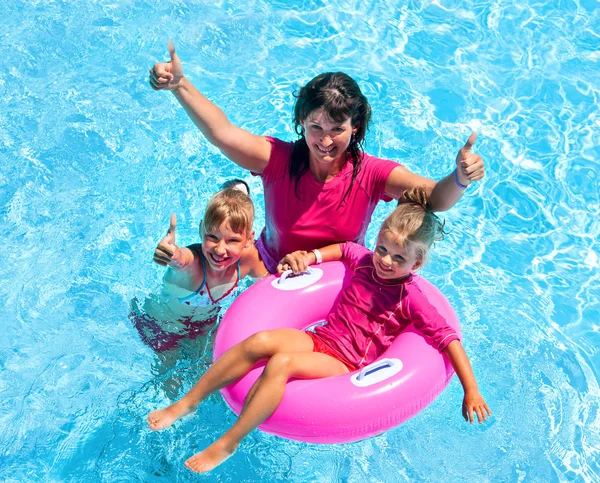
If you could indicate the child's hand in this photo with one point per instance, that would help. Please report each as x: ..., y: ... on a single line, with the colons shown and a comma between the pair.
x: 167, y: 252
x: 474, y: 403
x: 297, y: 261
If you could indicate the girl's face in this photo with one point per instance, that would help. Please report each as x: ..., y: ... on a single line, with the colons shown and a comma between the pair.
x: 327, y: 140
x: 393, y: 261
x: 223, y: 247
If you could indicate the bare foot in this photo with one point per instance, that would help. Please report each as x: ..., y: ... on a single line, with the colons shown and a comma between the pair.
x: 163, y: 418
x: 210, y: 458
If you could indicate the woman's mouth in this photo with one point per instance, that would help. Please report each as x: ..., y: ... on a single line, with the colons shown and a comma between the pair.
x: 325, y: 150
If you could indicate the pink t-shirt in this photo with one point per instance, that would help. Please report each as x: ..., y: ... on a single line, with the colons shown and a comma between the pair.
x: 313, y: 217
x: 372, y: 311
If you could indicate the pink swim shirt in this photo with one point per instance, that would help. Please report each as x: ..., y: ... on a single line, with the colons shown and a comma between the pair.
x: 312, y: 216
x: 373, y: 311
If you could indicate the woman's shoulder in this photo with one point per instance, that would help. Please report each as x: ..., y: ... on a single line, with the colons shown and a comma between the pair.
x: 280, y: 148
x: 371, y: 162
x: 281, y: 153
x: 374, y: 173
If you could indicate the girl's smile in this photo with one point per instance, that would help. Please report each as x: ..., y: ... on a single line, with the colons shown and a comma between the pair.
x: 394, y: 261
x: 223, y: 247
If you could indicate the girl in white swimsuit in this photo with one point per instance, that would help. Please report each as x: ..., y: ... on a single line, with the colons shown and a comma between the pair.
x: 204, y: 298
x: 211, y: 271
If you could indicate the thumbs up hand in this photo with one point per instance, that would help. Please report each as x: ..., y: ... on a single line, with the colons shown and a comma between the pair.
x: 167, y: 252
x: 167, y: 75
x: 469, y: 166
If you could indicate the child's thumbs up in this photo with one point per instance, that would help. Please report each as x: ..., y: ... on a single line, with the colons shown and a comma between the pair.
x: 172, y: 228
x: 167, y: 251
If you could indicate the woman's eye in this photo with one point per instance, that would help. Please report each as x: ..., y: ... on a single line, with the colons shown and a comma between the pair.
x: 315, y: 126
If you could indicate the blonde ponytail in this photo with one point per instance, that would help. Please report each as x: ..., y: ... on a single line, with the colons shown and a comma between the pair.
x: 413, y: 221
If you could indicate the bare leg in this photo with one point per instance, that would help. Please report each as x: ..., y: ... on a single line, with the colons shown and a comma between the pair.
x: 263, y: 399
x: 231, y: 366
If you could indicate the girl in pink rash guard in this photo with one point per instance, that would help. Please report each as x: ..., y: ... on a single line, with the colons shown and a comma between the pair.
x: 322, y: 188
x: 379, y: 302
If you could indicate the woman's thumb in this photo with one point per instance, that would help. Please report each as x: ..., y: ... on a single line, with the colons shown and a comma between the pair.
x: 174, y: 56
x: 173, y: 225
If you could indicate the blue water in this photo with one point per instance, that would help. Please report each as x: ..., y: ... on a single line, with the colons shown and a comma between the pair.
x: 94, y: 162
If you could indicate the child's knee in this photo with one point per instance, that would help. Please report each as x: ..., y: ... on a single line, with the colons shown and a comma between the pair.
x: 280, y: 364
x: 259, y: 345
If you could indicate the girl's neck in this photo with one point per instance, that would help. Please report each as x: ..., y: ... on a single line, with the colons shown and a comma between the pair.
x: 220, y: 275
x: 391, y: 281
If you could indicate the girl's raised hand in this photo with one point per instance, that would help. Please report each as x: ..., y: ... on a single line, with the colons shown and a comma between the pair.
x: 473, y: 403
x: 469, y: 166
x: 297, y: 262
x: 167, y: 252
x: 167, y: 75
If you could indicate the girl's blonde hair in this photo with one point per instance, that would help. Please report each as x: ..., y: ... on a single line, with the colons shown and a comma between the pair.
x: 231, y: 205
x: 414, y: 222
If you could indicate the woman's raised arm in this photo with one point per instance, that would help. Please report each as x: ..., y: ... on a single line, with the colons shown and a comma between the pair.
x: 444, y: 194
x: 247, y: 150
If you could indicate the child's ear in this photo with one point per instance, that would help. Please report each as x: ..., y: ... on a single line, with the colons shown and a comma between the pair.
x: 249, y: 239
x: 418, y: 264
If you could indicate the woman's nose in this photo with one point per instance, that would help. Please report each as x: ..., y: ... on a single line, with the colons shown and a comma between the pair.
x: 326, y: 141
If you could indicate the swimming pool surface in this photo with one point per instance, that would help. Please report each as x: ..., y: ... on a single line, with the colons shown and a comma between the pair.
x: 93, y: 162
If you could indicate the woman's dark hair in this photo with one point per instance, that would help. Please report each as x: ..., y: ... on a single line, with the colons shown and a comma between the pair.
x: 340, y: 98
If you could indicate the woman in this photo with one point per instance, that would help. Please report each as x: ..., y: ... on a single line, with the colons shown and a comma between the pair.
x: 321, y: 189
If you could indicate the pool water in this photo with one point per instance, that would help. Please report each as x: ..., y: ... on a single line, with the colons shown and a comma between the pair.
x: 94, y: 162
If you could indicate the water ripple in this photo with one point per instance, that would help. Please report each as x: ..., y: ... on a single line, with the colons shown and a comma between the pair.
x: 94, y: 162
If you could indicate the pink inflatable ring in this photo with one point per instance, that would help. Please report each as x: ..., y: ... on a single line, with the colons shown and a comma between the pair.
x: 341, y: 409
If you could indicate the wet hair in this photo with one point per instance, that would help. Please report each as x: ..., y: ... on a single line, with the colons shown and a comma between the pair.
x: 232, y: 205
x: 414, y: 222
x: 340, y: 97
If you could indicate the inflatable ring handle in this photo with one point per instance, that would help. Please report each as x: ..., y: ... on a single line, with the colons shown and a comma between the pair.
x: 287, y: 273
x: 378, y: 371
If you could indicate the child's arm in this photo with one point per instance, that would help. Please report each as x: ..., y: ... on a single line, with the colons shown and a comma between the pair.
x: 181, y: 261
x: 251, y: 264
x: 299, y: 261
x: 473, y: 401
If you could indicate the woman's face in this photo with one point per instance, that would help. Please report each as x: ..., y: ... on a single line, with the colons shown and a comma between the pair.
x: 222, y: 247
x: 327, y: 141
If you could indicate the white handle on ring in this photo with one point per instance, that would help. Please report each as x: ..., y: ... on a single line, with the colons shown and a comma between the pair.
x: 377, y: 371
x: 287, y: 273
x: 302, y: 280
